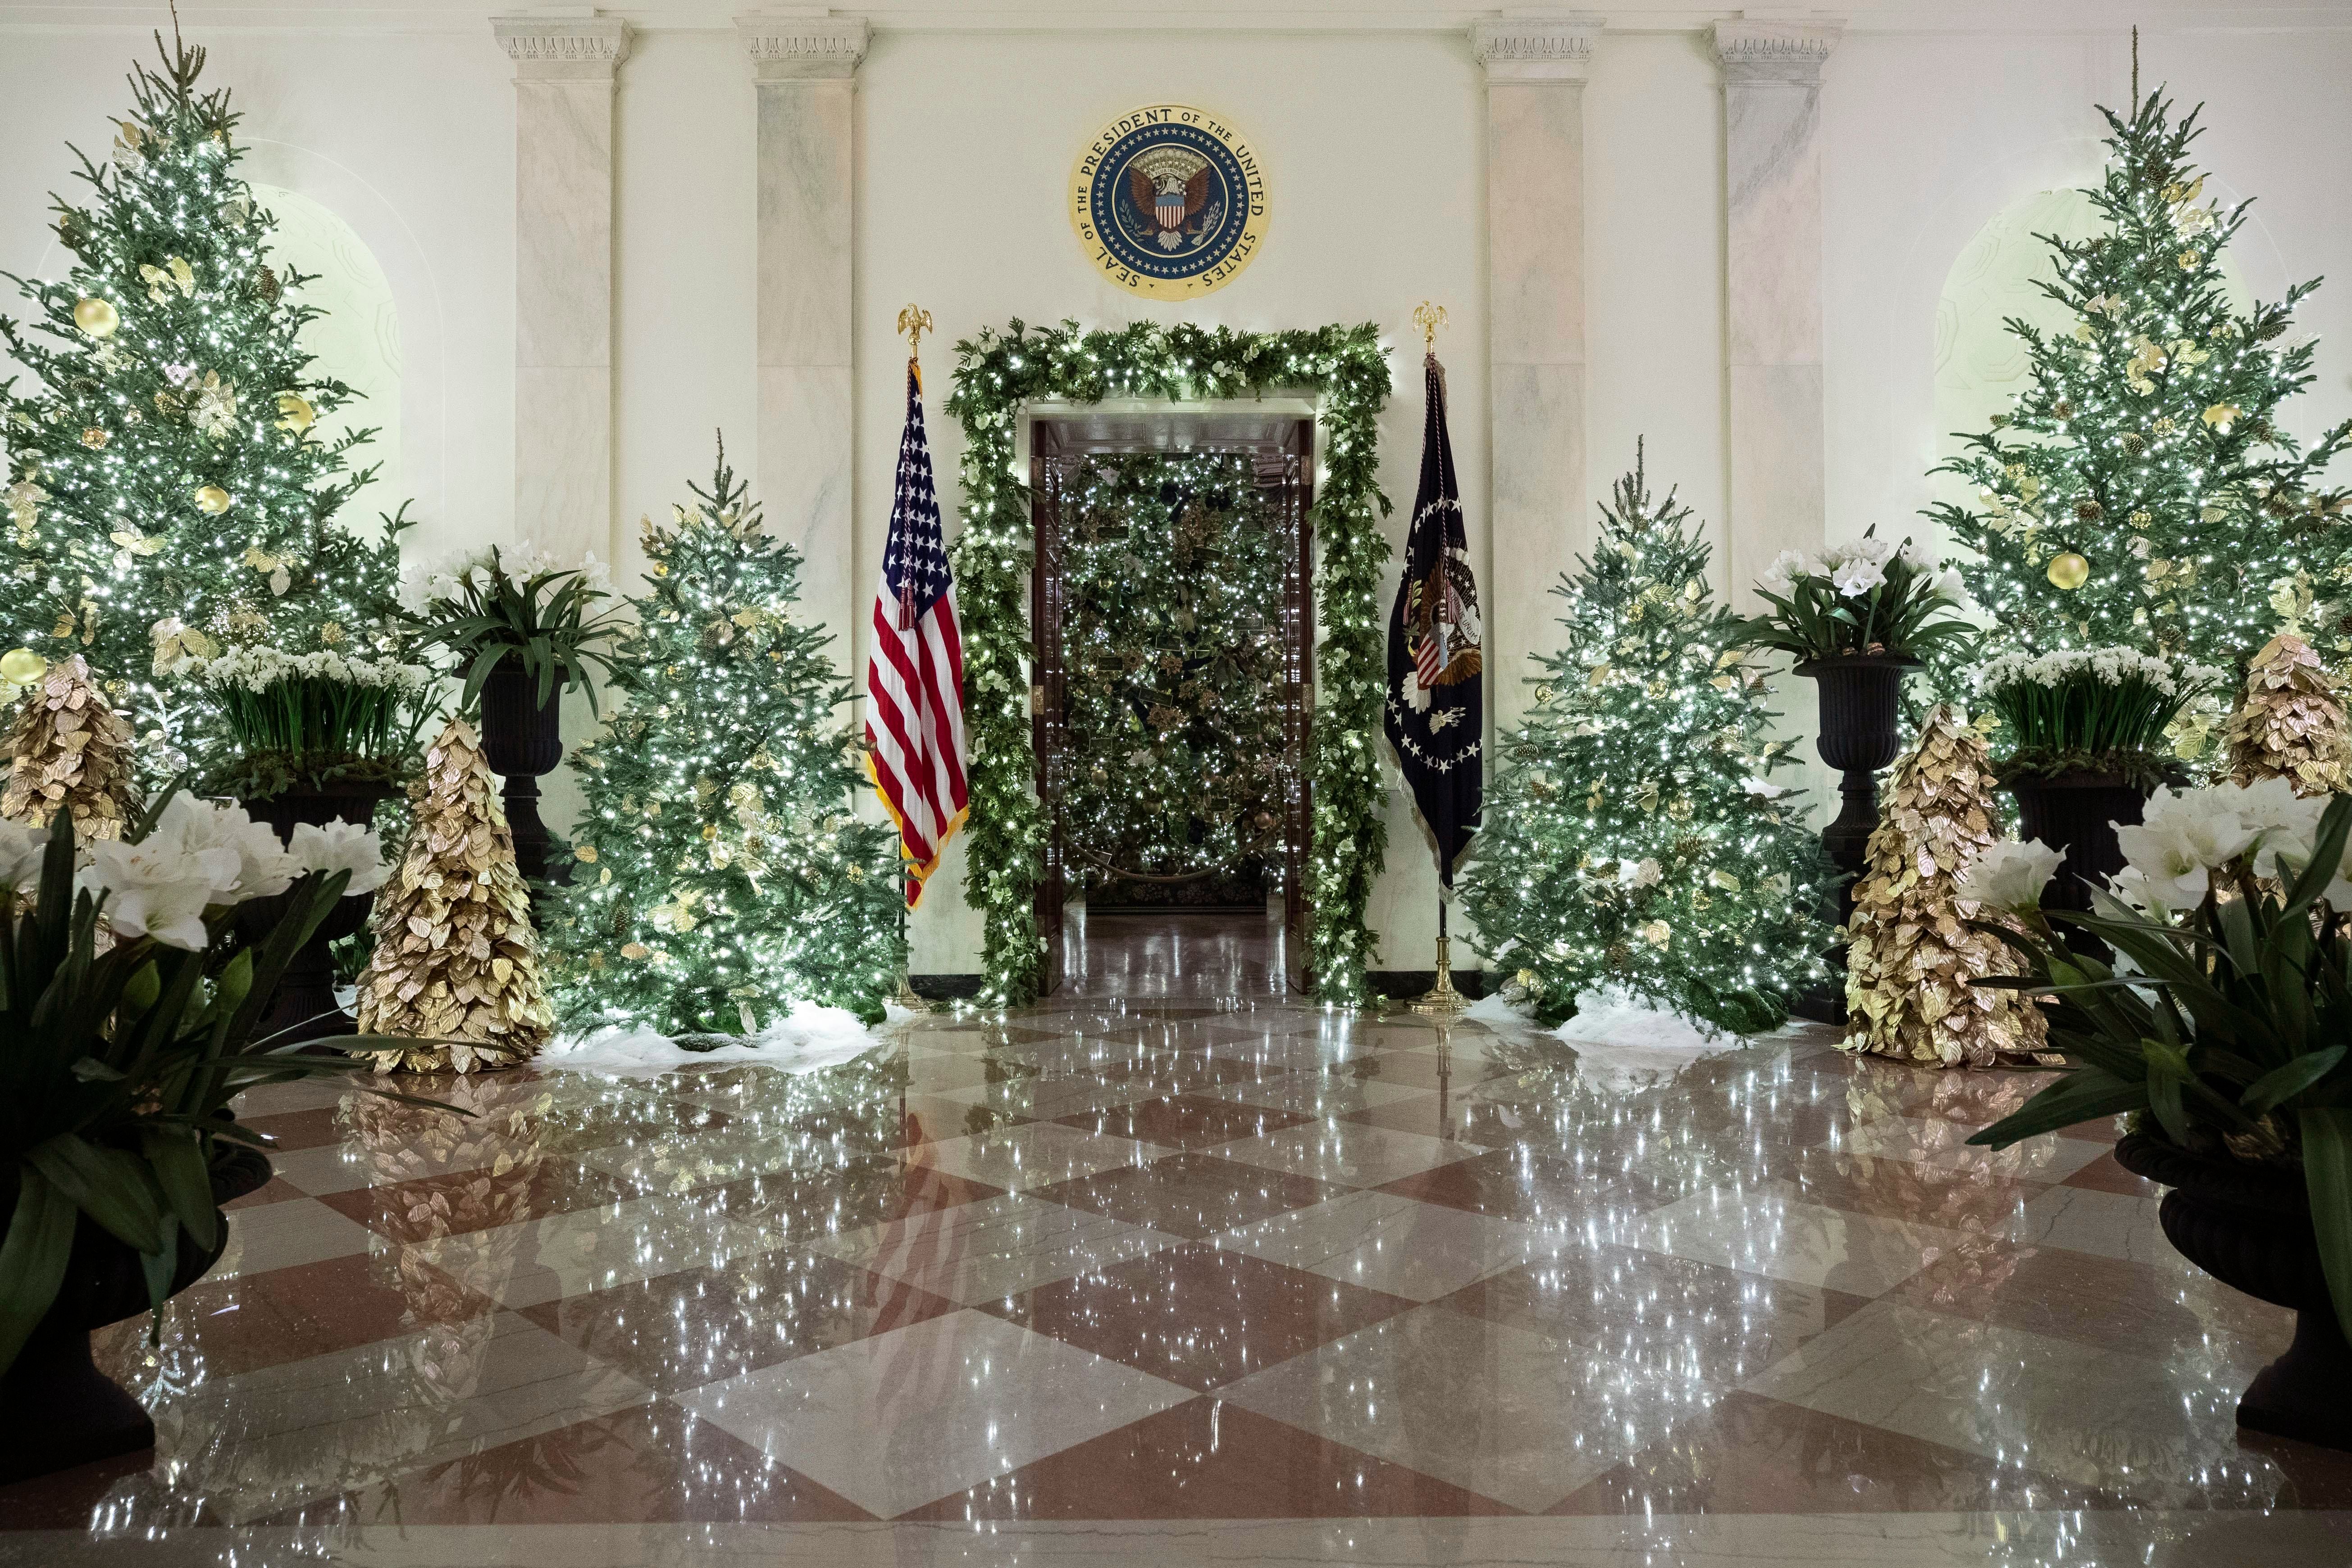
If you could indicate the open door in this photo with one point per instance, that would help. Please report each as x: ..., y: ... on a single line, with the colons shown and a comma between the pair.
x: 1048, y: 722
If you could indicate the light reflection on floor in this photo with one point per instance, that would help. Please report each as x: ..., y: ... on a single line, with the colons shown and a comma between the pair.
x: 1175, y: 1248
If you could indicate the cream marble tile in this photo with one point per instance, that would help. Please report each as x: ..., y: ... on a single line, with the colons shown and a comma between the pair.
x: 1035, y: 1154
x: 1348, y: 1152
x: 340, y: 1168
x: 704, y: 1159
x: 570, y: 1254
x: 1927, y: 1140
x: 1762, y: 1231
x: 1544, y: 1418
x: 897, y: 1420
x: 1383, y: 1242
x: 271, y: 1439
x: 2160, y: 1431
x: 280, y: 1235
x: 991, y: 1250
x: 295, y: 1094
x: 2084, y: 1219
x: 1319, y: 1094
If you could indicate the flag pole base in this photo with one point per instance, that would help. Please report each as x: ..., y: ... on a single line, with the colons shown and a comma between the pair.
x: 905, y: 996
x: 1441, y: 1000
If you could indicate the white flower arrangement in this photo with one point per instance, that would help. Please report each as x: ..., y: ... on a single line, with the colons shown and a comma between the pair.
x: 2010, y: 875
x: 447, y: 581
x: 2108, y: 666
x: 1867, y: 596
x: 2185, y: 836
x: 201, y: 855
x: 259, y: 668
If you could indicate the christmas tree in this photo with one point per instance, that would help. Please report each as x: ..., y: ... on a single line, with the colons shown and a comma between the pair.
x: 167, y: 491
x: 722, y: 877
x: 1911, y: 967
x: 2291, y: 724
x: 1175, y: 576
x: 68, y: 750
x: 454, y: 965
x: 1633, y: 837
x: 2142, y: 491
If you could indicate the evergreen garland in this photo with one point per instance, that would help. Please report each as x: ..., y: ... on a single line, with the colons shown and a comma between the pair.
x: 2140, y: 492
x: 996, y: 372
x: 1633, y: 837
x: 167, y: 491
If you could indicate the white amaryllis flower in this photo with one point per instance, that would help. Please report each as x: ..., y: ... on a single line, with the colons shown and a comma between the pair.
x: 20, y: 855
x: 1858, y: 577
x: 2181, y: 841
x: 2011, y: 875
x: 1947, y: 585
x: 263, y: 866
x: 159, y: 887
x: 1781, y: 576
x: 1911, y: 555
x: 2284, y: 823
x: 340, y: 846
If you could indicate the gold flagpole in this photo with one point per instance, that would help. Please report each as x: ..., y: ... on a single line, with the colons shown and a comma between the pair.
x: 1441, y: 1001
x: 914, y: 320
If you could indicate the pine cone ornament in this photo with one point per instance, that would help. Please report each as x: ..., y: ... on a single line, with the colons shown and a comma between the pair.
x: 455, y: 965
x: 70, y: 750
x: 1913, y: 956
x: 2291, y: 724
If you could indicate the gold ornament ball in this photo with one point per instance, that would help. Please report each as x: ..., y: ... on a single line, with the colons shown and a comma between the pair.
x: 295, y: 415
x: 211, y: 500
x: 22, y: 667
x: 96, y: 317
x: 2068, y: 571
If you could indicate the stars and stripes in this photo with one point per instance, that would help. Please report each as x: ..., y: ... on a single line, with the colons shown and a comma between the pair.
x: 914, y: 676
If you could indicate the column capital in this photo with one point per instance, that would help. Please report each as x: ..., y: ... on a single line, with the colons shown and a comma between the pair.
x: 1771, y: 48
x: 1536, y: 45
x: 801, y: 45
x: 568, y: 44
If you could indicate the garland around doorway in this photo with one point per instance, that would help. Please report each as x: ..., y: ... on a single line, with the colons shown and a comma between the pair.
x: 1347, y: 369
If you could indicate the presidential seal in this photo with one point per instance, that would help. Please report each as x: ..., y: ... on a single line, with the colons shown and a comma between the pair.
x: 1170, y: 202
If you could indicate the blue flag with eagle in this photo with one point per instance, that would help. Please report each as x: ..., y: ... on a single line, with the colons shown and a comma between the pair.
x: 1436, y: 715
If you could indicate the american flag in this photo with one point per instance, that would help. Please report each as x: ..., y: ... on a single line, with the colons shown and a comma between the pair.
x: 914, y: 677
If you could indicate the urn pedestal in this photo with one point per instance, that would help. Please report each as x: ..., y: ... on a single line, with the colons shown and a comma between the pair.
x: 1861, y: 732
x: 521, y: 739
x: 305, y: 1001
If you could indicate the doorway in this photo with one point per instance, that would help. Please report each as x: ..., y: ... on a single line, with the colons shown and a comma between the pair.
x: 1073, y: 459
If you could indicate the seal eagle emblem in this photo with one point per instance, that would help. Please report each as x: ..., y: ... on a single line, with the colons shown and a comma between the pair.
x: 1170, y: 201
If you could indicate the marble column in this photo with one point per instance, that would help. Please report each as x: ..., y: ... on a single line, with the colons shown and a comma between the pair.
x: 1534, y: 64
x: 804, y: 67
x: 1772, y: 228
x: 564, y: 69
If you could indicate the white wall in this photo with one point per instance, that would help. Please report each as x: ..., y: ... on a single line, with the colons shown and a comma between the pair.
x: 1934, y: 118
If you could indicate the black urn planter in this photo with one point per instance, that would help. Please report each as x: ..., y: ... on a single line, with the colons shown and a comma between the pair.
x: 2250, y: 1228
x: 1860, y: 734
x: 522, y: 738
x: 2078, y: 812
x: 57, y: 1409
x: 306, y: 995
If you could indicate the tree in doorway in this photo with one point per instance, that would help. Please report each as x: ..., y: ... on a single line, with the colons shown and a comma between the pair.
x: 1634, y: 839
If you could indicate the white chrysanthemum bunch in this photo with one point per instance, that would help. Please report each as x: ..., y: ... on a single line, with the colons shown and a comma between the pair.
x: 200, y: 855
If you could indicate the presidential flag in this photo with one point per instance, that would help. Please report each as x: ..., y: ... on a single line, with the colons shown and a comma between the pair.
x: 914, y: 676
x: 1436, y: 715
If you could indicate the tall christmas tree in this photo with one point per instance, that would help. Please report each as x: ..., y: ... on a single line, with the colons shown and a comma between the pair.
x: 168, y: 493
x: 2142, y: 491
x: 1633, y: 837
x: 1175, y: 576
x: 721, y: 875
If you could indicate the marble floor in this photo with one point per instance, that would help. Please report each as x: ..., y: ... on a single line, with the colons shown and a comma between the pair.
x: 1179, y: 1268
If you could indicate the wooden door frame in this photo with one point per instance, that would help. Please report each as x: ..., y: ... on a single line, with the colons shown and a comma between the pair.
x: 1056, y: 447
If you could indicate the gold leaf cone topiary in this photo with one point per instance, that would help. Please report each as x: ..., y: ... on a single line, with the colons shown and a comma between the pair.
x: 2291, y: 724
x: 1913, y: 955
x: 455, y: 965
x: 69, y: 748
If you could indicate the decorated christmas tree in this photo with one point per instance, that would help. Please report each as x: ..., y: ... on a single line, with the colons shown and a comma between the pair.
x: 1174, y: 576
x: 722, y: 877
x: 168, y: 493
x: 2143, y: 490
x: 1633, y: 838
x: 1914, y: 958
x: 67, y: 750
x: 2291, y: 724
x: 454, y: 965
